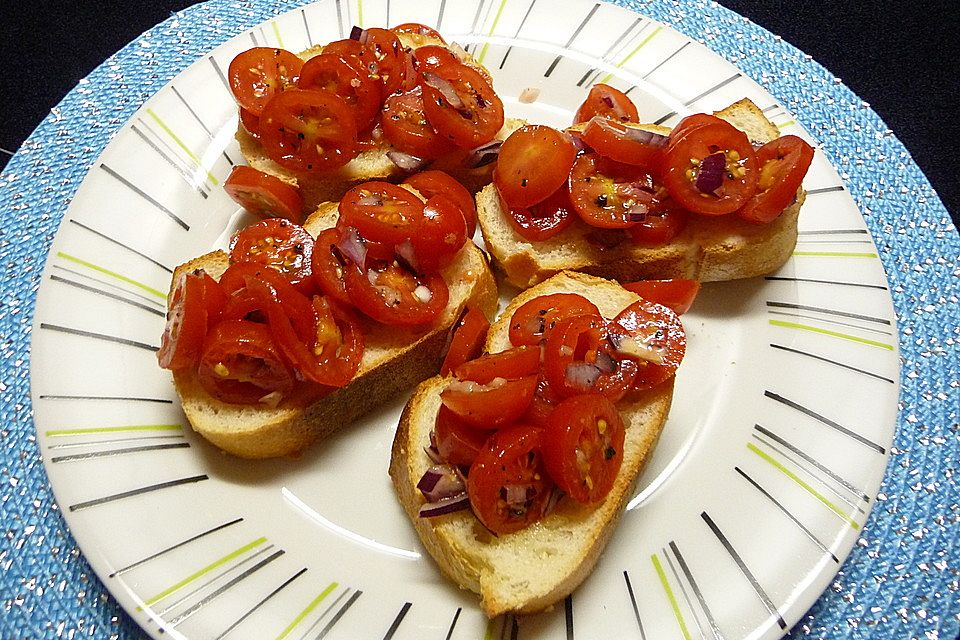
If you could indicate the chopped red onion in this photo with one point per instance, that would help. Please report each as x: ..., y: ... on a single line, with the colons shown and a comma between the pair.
x: 605, y: 363
x: 406, y: 161
x: 483, y: 155
x: 441, y: 481
x: 356, y: 33
x: 445, y: 506
x: 635, y: 134
x: 711, y: 172
x: 516, y: 494
x: 445, y: 88
x: 407, y: 256
x: 352, y: 247
x: 582, y: 375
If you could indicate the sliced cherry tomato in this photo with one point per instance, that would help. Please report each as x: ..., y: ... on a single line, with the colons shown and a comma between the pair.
x: 258, y: 74
x: 439, y: 234
x: 432, y: 56
x: 579, y: 358
x: 508, y: 485
x: 630, y: 145
x: 253, y: 288
x: 308, y: 130
x: 662, y: 223
x: 608, y: 102
x: 783, y: 164
x: 335, y: 73
x: 461, y: 104
x: 329, y: 264
x: 546, y: 219
x: 355, y: 53
x: 533, y: 163
x: 676, y: 294
x: 490, y: 406
x: 544, y: 402
x: 421, y: 32
x: 195, y: 305
x: 688, y: 124
x: 381, y: 212
x: 250, y: 122
x: 583, y: 447
x: 711, y: 169
x: 389, y: 55
x: 406, y: 127
x: 457, y: 442
x: 653, y: 336
x: 240, y: 364
x: 516, y: 362
x: 392, y: 295
x: 264, y: 195
x: 280, y: 244
x: 433, y: 182
x: 610, y: 194
x: 534, y: 319
x: 466, y: 341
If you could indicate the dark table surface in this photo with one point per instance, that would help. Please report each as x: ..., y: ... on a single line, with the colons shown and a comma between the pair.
x: 899, y: 56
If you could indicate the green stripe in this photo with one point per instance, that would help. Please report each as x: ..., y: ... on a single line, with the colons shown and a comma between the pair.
x: 112, y: 274
x: 835, y: 254
x: 493, y: 27
x: 310, y: 607
x: 276, y: 32
x: 202, y: 572
x: 672, y: 598
x: 827, y: 332
x: 816, y: 494
x: 163, y: 125
x: 631, y: 54
x: 785, y: 124
x: 360, y: 13
x: 135, y: 427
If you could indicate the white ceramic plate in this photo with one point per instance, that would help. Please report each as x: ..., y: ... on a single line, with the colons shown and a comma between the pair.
x: 770, y: 462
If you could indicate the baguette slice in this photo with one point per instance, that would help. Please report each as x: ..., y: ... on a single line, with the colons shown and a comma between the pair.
x: 529, y: 570
x: 709, y: 249
x: 394, y: 359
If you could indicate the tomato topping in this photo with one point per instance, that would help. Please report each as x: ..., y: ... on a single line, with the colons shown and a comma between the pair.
x: 677, y: 294
x: 662, y: 223
x: 508, y: 486
x: 603, y: 100
x: 652, y: 335
x: 466, y: 340
x: 195, y: 305
x: 457, y: 442
x: 258, y: 74
x: 629, y: 145
x: 308, y: 130
x: 583, y: 447
x: 264, y: 195
x: 240, y: 364
x: 416, y: 29
x: 543, y: 403
x: 511, y: 364
x: 534, y: 319
x: 381, y: 211
x: 389, y: 55
x: 431, y: 183
x: 249, y: 298
x: 546, y: 219
x: 783, y: 164
x: 610, y: 194
x: 406, y: 127
x: 328, y: 265
x: 579, y: 358
x: 432, y: 56
x: 490, y: 406
x: 461, y: 104
x: 439, y: 234
x: 392, y: 295
x: 341, y: 74
x: 250, y: 122
x: 711, y: 169
x: 534, y: 162
x: 280, y: 244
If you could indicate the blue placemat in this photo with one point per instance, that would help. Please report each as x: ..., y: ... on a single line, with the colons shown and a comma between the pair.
x: 901, y: 581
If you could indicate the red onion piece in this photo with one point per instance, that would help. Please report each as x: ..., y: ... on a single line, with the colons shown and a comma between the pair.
x: 483, y: 155
x: 648, y: 138
x: 441, y: 481
x: 407, y: 256
x: 445, y: 88
x: 356, y: 33
x: 605, y: 363
x: 445, y: 506
x: 711, y: 171
x: 406, y: 161
x: 582, y: 375
x: 352, y: 247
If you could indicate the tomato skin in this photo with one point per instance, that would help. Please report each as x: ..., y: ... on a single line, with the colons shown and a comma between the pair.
x: 388, y: 294
x: 608, y: 102
x: 677, y: 294
x: 380, y: 211
x: 615, y: 141
x: 511, y: 364
x: 250, y: 122
x: 432, y: 182
x: 583, y: 447
x: 264, y: 195
x: 466, y: 340
x: 240, y: 364
x: 432, y: 56
x: 196, y: 304
x: 783, y: 164
x: 534, y: 162
x: 258, y: 74
x: 420, y: 32
x: 439, y: 234
x: 609, y: 194
x: 580, y: 344
x: 406, y: 127
x: 328, y: 266
x: 659, y: 328
x: 662, y: 223
x: 280, y: 244
x: 389, y: 55
x: 308, y: 130
x: 510, y: 459
x: 490, y: 406
x: 543, y: 220
x: 477, y: 113
x: 341, y: 75
x: 532, y: 321
x: 457, y: 442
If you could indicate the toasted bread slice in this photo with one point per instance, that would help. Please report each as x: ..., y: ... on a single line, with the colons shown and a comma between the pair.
x: 708, y: 249
x: 394, y: 359
x: 531, y: 569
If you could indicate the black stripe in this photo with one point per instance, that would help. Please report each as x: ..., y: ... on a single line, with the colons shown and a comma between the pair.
x: 833, y: 362
x: 833, y: 312
x: 610, y: 50
x: 688, y: 103
x: 836, y: 282
x: 339, y: 614
x: 54, y: 396
x: 306, y: 27
x: 120, y: 244
x: 517, y: 32
x: 340, y: 19
x: 825, y: 232
x: 388, y: 13
x: 667, y: 59
x: 146, y: 197
x: 137, y: 492
x: 453, y: 623
x: 175, y: 546
x: 110, y: 285
x: 830, y: 321
x: 396, y: 621
x: 633, y: 602
x: 443, y: 4
x: 683, y: 590
x: 107, y: 294
x: 476, y: 17
x: 118, y: 452
x: 220, y: 74
x: 744, y: 570
x: 834, y: 189
x: 830, y: 423
x: 253, y: 38
x: 196, y: 116
x: 696, y: 589
x: 99, y: 336
x: 576, y: 32
x: 91, y: 443
x: 171, y: 160
x: 261, y: 603
x: 785, y: 512
x: 568, y: 615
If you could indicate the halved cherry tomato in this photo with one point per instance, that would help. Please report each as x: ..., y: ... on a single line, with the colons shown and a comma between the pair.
x: 280, y: 244
x: 610, y: 194
x: 329, y: 264
x: 662, y: 223
x: 250, y: 122
x: 264, y: 195
x: 195, y: 305
x: 545, y: 219
x: 336, y: 74
x: 433, y: 182
x: 416, y: 29
x: 308, y: 130
x: 508, y: 485
x: 583, y: 447
x: 579, y: 358
x: 461, y: 104
x: 355, y: 53
x: 240, y: 364
x: 516, y: 362
x: 381, y: 211
x: 608, y: 102
x: 688, y: 124
x: 389, y: 55
x: 249, y: 298
x: 466, y: 341
x: 490, y: 406
x: 457, y: 442
x: 653, y: 336
x: 677, y: 294
x: 534, y: 319
x: 629, y: 145
x: 257, y: 74
x: 431, y: 56
x: 392, y: 295
x: 439, y: 234
x: 783, y: 164
x: 533, y: 163
x: 544, y: 402
x: 722, y: 190
x: 406, y: 127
